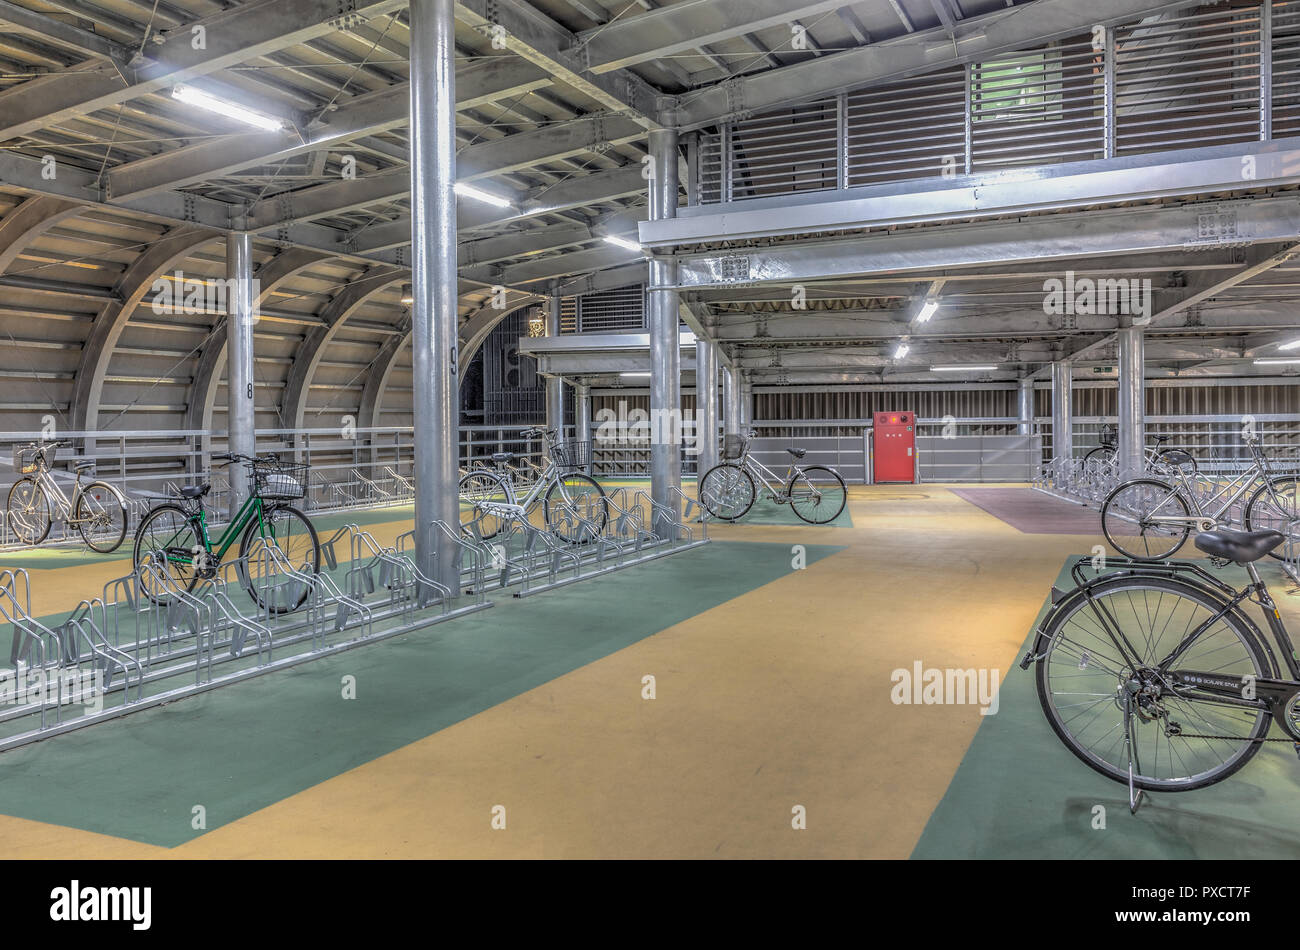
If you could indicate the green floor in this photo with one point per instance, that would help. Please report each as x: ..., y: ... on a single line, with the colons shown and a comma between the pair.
x: 246, y: 746
x: 1020, y: 793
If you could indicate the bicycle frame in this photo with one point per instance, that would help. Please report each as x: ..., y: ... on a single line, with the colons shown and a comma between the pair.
x: 253, y: 507
x: 1237, y: 487
x: 64, y: 505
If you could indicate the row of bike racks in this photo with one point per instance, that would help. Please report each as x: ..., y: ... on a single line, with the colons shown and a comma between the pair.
x: 533, y: 559
x: 148, y: 640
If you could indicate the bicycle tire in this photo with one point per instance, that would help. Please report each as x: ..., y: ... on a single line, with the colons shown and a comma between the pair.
x: 112, y: 503
x: 1166, y: 587
x: 474, y: 487
x: 598, y: 518
x: 183, y: 538
x: 34, y: 536
x: 822, y: 494
x: 1179, y: 459
x: 722, y: 482
x: 1112, y: 520
x: 252, y: 535
x: 1290, y: 520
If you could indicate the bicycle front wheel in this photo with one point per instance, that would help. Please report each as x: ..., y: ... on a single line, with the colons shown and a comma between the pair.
x: 276, y: 553
x: 1134, y: 515
x: 1180, y: 739
x: 727, y: 492
x: 101, y: 518
x: 29, y: 511
x: 817, y: 494
x: 1278, y: 509
x: 167, y: 547
x: 575, y: 508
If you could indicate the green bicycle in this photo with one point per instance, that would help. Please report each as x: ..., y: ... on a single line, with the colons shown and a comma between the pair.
x: 173, y: 537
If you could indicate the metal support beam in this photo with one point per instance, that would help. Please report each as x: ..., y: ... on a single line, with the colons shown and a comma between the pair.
x: 706, y: 406
x: 436, y: 378
x: 1062, y: 418
x: 241, y: 420
x: 554, y: 385
x: 28, y: 221
x: 665, y: 358
x: 582, y: 412
x: 1026, y: 404
x: 1132, y: 406
x: 730, y: 401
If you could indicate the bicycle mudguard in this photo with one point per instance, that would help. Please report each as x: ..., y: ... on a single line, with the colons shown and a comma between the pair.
x: 1188, y: 573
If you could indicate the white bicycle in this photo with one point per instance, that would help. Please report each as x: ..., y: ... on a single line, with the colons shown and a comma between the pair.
x: 97, y: 509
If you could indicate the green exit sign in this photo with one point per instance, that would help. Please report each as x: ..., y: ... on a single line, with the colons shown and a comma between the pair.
x: 1103, y: 369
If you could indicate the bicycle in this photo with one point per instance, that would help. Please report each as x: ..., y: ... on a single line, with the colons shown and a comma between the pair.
x: 1150, y: 519
x: 175, y: 534
x: 727, y: 491
x: 1157, y: 459
x: 574, y: 506
x: 97, y: 508
x: 1154, y: 675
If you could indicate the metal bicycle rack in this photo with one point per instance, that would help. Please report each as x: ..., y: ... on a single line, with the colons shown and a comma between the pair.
x: 536, y: 559
x: 140, y: 651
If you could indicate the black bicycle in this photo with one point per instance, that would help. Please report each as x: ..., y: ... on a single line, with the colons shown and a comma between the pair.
x: 1154, y: 675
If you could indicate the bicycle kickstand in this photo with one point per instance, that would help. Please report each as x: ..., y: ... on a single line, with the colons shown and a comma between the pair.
x: 1130, y: 748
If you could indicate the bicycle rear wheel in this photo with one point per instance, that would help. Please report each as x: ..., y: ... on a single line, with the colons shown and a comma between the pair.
x: 28, y: 513
x: 167, y: 539
x: 101, y: 518
x: 1084, y: 682
x: 1279, y: 510
x: 476, y: 488
x: 817, y: 494
x: 1130, y: 520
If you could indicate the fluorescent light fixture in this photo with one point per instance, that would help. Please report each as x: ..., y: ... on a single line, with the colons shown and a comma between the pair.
x: 193, y: 97
x: 469, y: 191
x: 1289, y: 346
x: 408, y: 295
x: 1276, y: 362
x: 901, y: 351
x: 959, y: 369
x: 622, y: 242
x: 927, y: 311
x: 634, y: 375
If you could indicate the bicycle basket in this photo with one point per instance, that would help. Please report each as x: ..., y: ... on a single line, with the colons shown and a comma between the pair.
x: 733, y: 446
x: 280, y: 481
x: 27, y: 458
x: 572, y: 456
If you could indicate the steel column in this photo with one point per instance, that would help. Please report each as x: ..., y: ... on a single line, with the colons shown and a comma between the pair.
x: 746, y: 401
x: 433, y: 272
x: 240, y: 419
x: 1131, y: 402
x: 1026, y: 407
x: 1062, y: 417
x: 706, y: 406
x: 582, y: 413
x: 730, y: 401
x: 665, y: 355
x: 554, y: 385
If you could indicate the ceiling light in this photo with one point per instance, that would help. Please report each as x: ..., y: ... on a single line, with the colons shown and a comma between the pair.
x: 1289, y: 346
x: 1276, y: 362
x: 632, y: 375
x: 408, y: 295
x: 901, y: 351
x: 927, y: 311
x: 622, y: 242
x: 469, y: 191
x: 191, y: 96
x: 959, y: 369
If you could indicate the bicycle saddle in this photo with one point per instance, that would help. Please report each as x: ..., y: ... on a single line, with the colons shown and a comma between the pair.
x: 503, y: 456
x: 1160, y: 438
x: 86, y: 466
x: 798, y: 453
x: 194, y: 491
x: 1241, y: 547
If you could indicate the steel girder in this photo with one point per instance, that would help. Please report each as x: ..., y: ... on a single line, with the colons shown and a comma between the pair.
x: 1176, y: 173
x: 366, y: 114
x: 30, y: 220
x: 233, y: 36
x: 135, y: 283
x: 1191, y: 227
